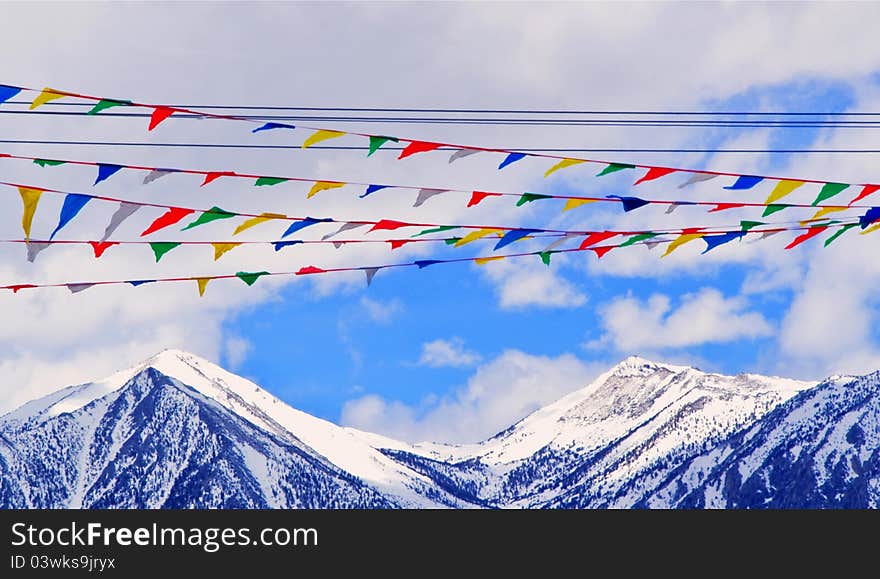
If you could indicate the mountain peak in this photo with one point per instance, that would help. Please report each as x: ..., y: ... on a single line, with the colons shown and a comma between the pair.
x: 636, y: 365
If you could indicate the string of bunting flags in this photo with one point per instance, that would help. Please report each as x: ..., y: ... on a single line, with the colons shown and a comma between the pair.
x: 160, y: 113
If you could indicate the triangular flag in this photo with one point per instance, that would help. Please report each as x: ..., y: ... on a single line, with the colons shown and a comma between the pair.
x: 107, y: 104
x: 423, y: 263
x: 99, y: 247
x: 451, y: 240
x: 562, y: 165
x: 440, y: 229
x: 782, y: 189
x: 203, y: 283
x: 870, y: 216
x: 370, y: 272
x: 29, y: 198
x: 250, y: 277
x: 725, y: 206
x: 425, y: 194
x: 222, y: 248
x: 698, y: 178
x: 825, y: 211
x: 870, y: 229
x: 574, y: 202
x: 866, y: 190
x: 160, y: 248
x: 637, y: 238
x: 601, y: 250
x: 510, y: 159
x: 529, y: 197
x: 212, y: 176
x: 746, y: 225
x: 170, y: 217
x: 478, y: 196
x: 47, y: 95
x: 418, y: 147
x: 388, y: 225
x: 681, y: 240
x: 302, y: 224
x: 323, y: 186
x: 485, y: 260
x: 513, y: 235
x: 614, y: 167
x: 462, y: 153
x: 269, y: 126
x: 213, y: 214
x: 630, y: 203
x: 159, y: 115
x: 771, y: 209
x: 262, y: 218
x: 562, y: 239
x: 652, y: 244
x: 745, y: 182
x: 338, y: 244
x: 48, y: 162
x: 654, y: 173
x: 34, y: 248
x: 156, y: 174
x: 8, y: 92
x: 344, y: 227
x: 15, y: 288
x: 398, y: 243
x: 713, y: 241
x: 75, y: 288
x: 73, y: 203
x: 309, y: 269
x: 322, y: 135
x: 372, y: 189
x: 377, y: 141
x: 829, y: 190
x: 839, y: 232
x: 279, y: 245
x: 676, y: 204
x: 545, y: 257
x: 596, y: 237
x: 105, y: 171
x: 137, y: 282
x: 475, y: 235
x: 810, y: 233
x: 269, y: 181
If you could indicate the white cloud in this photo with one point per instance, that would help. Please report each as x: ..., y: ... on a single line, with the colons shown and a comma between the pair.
x: 520, y: 284
x: 452, y: 353
x: 235, y: 351
x: 498, y: 394
x: 381, y: 312
x: 705, y: 316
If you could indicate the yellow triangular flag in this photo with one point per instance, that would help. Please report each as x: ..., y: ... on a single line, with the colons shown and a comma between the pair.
x: 572, y: 203
x: 826, y: 210
x: 257, y: 220
x: 322, y: 186
x: 203, y: 283
x: 681, y: 240
x: 874, y: 227
x: 485, y: 260
x: 321, y: 136
x: 29, y: 198
x: 48, y: 95
x: 562, y: 165
x: 221, y: 248
x: 782, y: 189
x: 475, y: 235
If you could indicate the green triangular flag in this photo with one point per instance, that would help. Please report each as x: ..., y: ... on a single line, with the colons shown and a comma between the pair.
x: 213, y: 214
x: 376, y: 142
x: 829, y: 190
x: 613, y: 167
x: 771, y: 209
x: 637, y: 238
x: 452, y: 240
x: 249, y: 278
x: 107, y: 104
x: 48, y: 162
x: 746, y: 225
x: 839, y: 232
x: 160, y: 248
x: 545, y: 257
x: 436, y: 230
x: 270, y: 181
x: 529, y: 197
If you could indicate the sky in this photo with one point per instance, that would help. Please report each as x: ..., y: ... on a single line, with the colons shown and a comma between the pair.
x: 456, y: 352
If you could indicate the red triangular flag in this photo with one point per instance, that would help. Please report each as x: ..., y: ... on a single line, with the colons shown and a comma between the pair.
x: 478, y: 196
x: 395, y: 243
x: 22, y: 286
x: 159, y: 115
x: 654, y: 173
x: 170, y: 217
x: 866, y: 190
x: 101, y: 246
x: 724, y: 206
x: 596, y: 237
x: 602, y: 250
x: 811, y: 232
x: 418, y: 147
x: 309, y: 269
x: 388, y: 225
x: 214, y: 175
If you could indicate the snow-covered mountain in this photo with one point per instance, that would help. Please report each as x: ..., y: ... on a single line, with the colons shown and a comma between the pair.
x: 178, y: 431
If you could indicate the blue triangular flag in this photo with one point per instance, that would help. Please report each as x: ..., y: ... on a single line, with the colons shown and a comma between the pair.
x: 872, y: 215
x: 105, y: 171
x: 713, y: 241
x: 270, y: 126
x: 73, y: 202
x: 279, y: 245
x: 513, y: 235
x: 745, y: 182
x: 511, y: 158
x: 302, y: 224
x: 137, y: 282
x: 630, y: 203
x: 7, y: 92
x: 423, y: 263
x: 373, y: 189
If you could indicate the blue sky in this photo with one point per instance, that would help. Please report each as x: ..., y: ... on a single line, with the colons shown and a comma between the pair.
x: 451, y: 352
